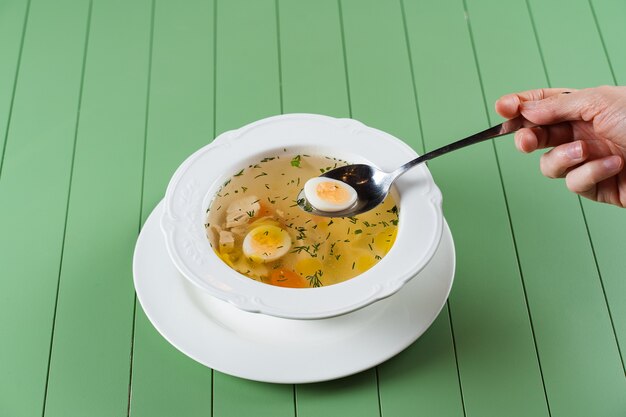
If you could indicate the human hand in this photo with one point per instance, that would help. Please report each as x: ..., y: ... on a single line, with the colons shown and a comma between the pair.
x: 586, y: 130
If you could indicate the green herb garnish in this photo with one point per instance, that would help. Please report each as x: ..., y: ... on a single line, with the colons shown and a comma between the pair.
x: 295, y: 162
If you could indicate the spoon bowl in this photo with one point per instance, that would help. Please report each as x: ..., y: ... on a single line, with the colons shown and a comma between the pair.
x: 371, y: 185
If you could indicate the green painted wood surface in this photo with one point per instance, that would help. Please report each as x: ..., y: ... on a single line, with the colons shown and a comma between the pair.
x: 527, y: 331
x: 309, y: 34
x: 609, y: 221
x: 381, y: 95
x: 90, y: 361
x: 247, y: 88
x: 544, y: 215
x: 488, y: 277
x: 179, y: 120
x: 12, y: 24
x: 43, y: 124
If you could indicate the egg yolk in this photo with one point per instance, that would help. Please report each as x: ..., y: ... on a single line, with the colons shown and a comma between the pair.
x: 266, y: 243
x: 332, y: 192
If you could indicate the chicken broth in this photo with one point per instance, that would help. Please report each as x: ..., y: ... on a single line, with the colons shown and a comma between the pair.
x: 255, y: 226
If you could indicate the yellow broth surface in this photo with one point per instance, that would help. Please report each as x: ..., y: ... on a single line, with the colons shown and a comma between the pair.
x: 311, y: 251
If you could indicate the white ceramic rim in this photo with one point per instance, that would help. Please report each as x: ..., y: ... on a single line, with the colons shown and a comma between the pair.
x: 200, y: 176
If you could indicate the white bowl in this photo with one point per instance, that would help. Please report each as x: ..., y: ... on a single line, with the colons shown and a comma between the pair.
x: 197, y: 180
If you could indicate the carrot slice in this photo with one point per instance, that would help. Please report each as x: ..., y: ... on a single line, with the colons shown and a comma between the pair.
x: 287, y: 278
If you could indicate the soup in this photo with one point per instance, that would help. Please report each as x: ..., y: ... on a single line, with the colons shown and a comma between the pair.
x: 254, y: 224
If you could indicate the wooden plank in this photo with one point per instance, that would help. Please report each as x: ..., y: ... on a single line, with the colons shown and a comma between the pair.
x: 312, y: 62
x: 381, y: 94
x: 247, y: 67
x: 610, y: 15
x: 13, y: 16
x: 34, y: 185
x: 247, y: 89
x: 90, y: 361
x: 311, y: 34
x: 356, y: 395
x: 607, y: 222
x: 180, y: 120
x: 405, y: 379
x: 573, y: 334
x: 497, y: 360
x: 581, y: 61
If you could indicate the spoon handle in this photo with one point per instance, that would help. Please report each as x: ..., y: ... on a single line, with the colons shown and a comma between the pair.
x: 504, y: 128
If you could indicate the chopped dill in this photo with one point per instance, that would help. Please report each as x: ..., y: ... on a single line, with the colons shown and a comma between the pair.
x: 358, y: 231
x: 262, y: 174
x: 314, y: 280
x: 238, y: 174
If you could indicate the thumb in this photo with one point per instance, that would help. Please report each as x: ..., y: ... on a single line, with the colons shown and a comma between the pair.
x: 566, y: 107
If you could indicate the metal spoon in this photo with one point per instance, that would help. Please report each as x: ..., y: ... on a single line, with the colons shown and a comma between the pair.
x: 372, y: 185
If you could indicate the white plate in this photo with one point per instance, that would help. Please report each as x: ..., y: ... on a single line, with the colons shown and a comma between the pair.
x: 271, y: 349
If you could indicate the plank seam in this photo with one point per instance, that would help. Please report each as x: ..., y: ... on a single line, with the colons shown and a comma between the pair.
x: 540, y: 50
x: 582, y: 209
x: 141, y: 198
x: 67, y: 203
x: 212, y: 407
x: 423, y: 140
x: 604, y: 48
x: 606, y: 300
x: 593, y: 249
x: 415, y: 95
x: 456, y: 358
x: 280, y: 65
x: 214, y: 70
x: 380, y: 405
x: 506, y: 202
x: 280, y: 96
x: 17, y: 71
x: 295, y: 401
x: 345, y: 56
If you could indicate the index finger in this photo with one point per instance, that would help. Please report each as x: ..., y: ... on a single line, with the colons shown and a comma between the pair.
x: 508, y: 105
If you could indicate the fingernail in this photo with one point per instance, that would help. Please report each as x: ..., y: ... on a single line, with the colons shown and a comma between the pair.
x: 613, y: 163
x: 511, y: 100
x: 575, y: 151
x: 529, y: 105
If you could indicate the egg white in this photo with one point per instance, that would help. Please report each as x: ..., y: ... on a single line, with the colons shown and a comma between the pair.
x: 266, y: 243
x: 310, y: 193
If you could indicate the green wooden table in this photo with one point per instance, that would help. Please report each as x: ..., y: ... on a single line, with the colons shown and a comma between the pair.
x: 101, y: 100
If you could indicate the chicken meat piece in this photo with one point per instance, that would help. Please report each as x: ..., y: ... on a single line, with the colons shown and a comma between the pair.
x: 242, y: 210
